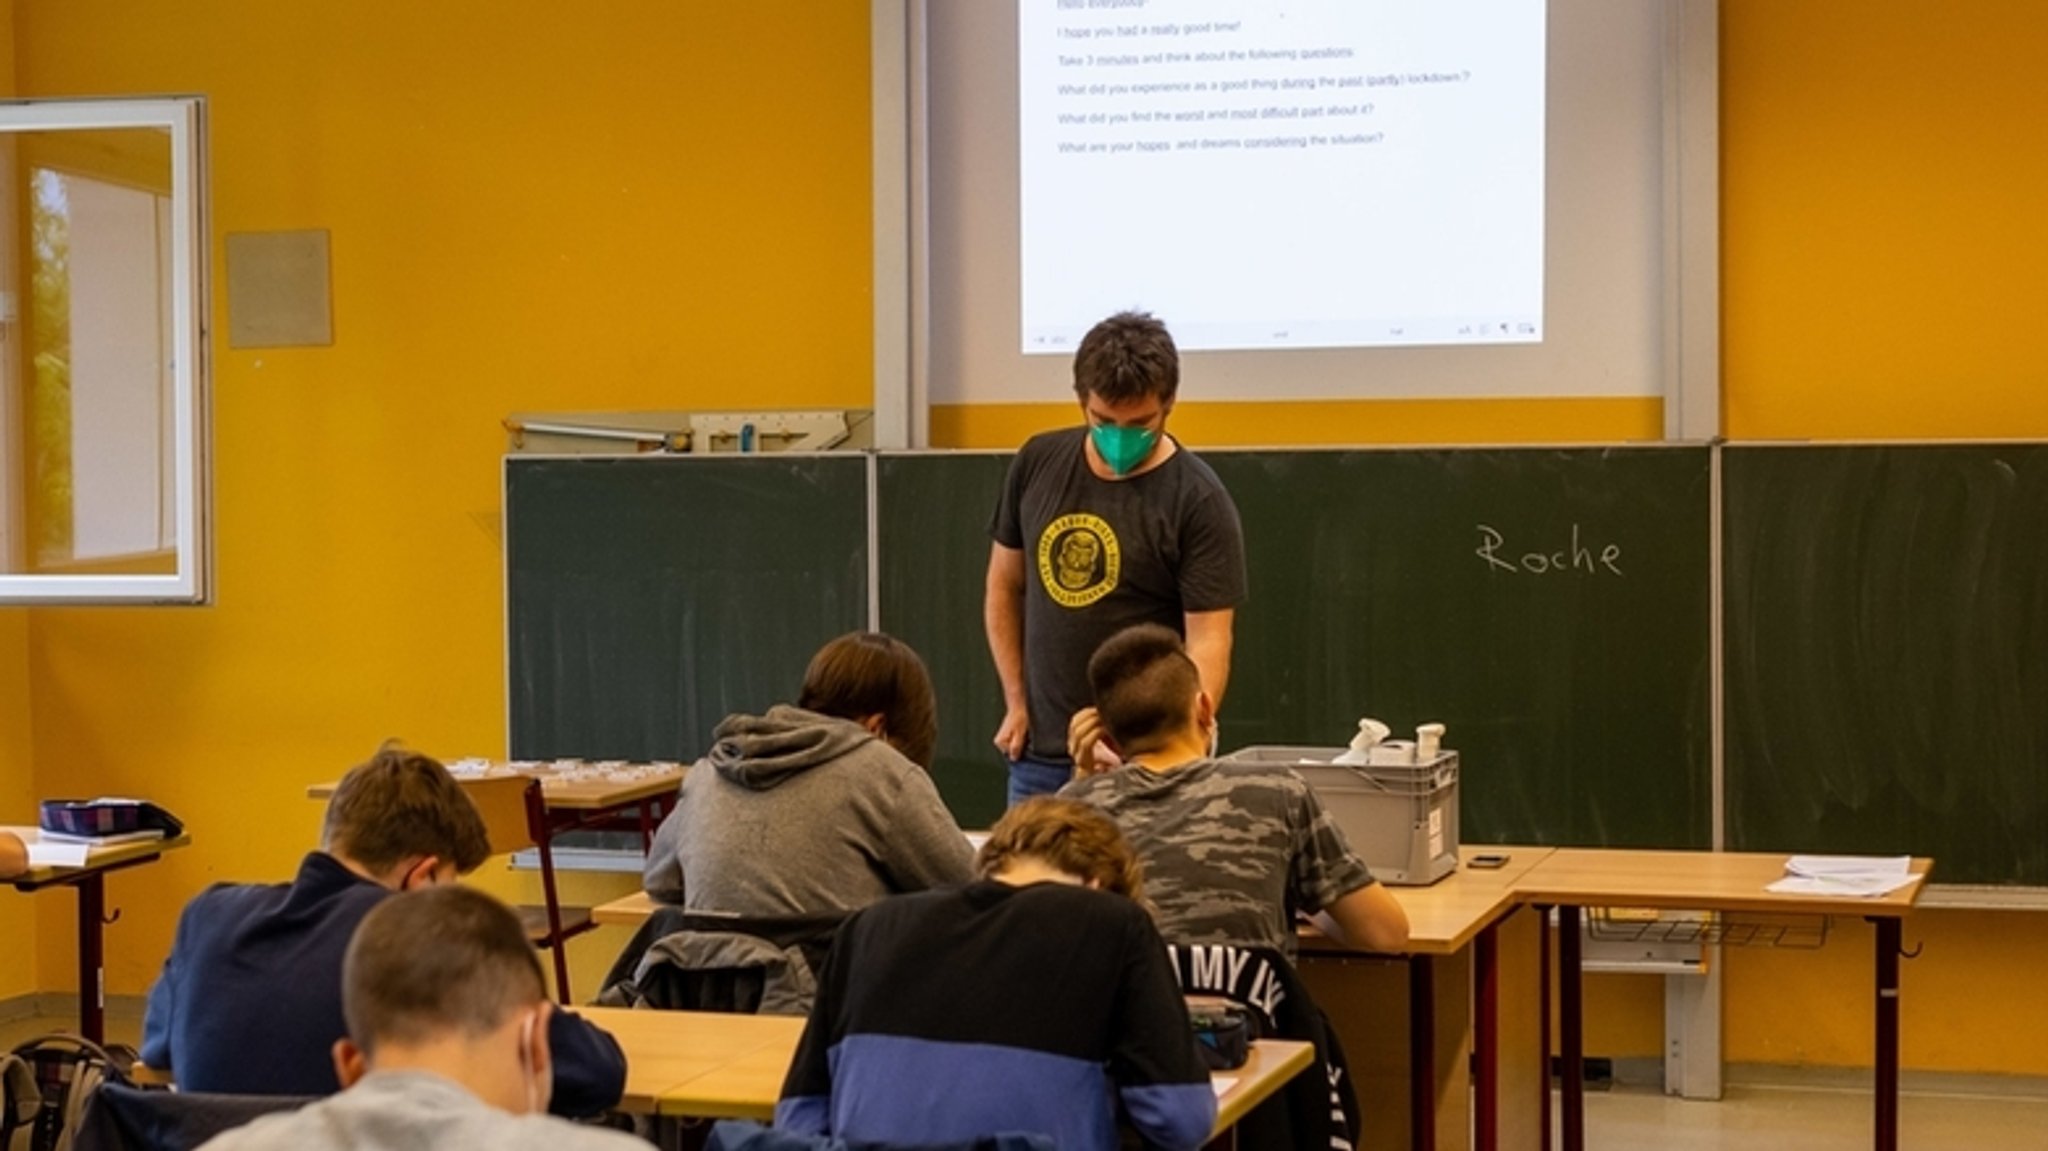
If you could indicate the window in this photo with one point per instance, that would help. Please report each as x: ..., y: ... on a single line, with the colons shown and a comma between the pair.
x: 103, y: 415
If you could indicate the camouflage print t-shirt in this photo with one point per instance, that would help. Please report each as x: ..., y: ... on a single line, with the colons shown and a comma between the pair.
x: 1231, y: 850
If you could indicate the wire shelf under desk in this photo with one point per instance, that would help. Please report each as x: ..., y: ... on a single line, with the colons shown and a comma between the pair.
x: 1685, y: 928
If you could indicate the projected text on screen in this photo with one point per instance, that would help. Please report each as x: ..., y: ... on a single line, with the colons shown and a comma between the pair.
x: 1318, y: 173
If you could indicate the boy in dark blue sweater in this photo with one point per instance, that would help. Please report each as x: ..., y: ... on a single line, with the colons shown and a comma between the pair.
x: 1038, y: 1000
x: 249, y: 1001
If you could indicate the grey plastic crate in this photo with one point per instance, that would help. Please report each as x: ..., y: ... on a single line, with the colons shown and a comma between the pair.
x: 1402, y: 819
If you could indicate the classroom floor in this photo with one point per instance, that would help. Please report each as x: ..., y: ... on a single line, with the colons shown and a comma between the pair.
x: 1749, y: 1118
x: 1753, y: 1116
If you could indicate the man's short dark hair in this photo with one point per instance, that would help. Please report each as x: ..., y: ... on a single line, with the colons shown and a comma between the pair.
x: 436, y: 961
x: 1144, y: 686
x: 403, y: 805
x: 1128, y: 356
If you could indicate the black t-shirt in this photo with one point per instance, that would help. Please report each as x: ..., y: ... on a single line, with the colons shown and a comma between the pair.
x: 1101, y: 555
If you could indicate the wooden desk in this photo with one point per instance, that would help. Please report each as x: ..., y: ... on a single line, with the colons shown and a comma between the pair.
x: 665, y: 1049
x: 1572, y: 879
x: 575, y: 795
x: 1273, y: 1063
x: 626, y: 911
x: 90, y: 883
x: 1449, y: 1074
x: 707, y: 1065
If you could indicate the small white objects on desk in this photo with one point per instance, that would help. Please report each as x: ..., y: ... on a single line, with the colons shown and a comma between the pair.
x: 1868, y: 876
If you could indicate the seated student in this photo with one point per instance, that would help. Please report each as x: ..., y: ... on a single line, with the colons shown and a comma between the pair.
x: 1230, y: 850
x: 447, y: 1042
x: 13, y: 855
x: 1038, y: 1000
x: 820, y: 808
x: 249, y: 1001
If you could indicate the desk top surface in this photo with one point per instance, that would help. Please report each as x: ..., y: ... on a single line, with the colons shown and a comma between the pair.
x: 716, y: 1066
x: 1692, y: 880
x: 575, y: 793
x: 100, y: 858
x: 667, y: 1049
x: 1444, y: 916
x: 627, y: 910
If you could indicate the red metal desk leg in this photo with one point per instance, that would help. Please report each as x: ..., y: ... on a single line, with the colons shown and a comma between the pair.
x: 1543, y: 1021
x: 1887, y: 1118
x: 1422, y: 1052
x: 1486, y: 1041
x: 1571, y: 1035
x: 92, y: 971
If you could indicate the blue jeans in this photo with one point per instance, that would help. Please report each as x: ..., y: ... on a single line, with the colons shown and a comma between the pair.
x: 1029, y: 777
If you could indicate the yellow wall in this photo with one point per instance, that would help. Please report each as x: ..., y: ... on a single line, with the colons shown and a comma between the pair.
x: 638, y: 204
x: 1882, y: 177
x: 17, y: 802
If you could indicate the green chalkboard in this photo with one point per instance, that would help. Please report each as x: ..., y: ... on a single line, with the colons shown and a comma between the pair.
x: 932, y: 515
x: 1551, y: 607
x: 1577, y: 694
x: 648, y: 597
x: 1887, y: 653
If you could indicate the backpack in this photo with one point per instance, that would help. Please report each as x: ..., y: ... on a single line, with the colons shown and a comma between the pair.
x: 44, y: 1085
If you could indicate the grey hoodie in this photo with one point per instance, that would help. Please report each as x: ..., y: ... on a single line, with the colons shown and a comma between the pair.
x: 796, y: 813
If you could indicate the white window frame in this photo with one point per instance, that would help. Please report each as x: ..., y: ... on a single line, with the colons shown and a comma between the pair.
x: 191, y: 582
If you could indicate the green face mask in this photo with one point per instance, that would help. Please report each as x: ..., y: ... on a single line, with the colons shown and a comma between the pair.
x: 1123, y: 448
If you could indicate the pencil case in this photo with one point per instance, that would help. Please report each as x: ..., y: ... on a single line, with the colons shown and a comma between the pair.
x: 103, y: 817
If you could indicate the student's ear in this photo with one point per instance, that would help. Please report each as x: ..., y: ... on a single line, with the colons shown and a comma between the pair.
x: 350, y: 1064
x: 1205, y: 711
x: 537, y: 1058
x: 424, y: 871
x: 877, y: 725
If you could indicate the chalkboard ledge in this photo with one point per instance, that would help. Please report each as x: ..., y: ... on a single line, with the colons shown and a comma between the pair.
x: 1982, y: 897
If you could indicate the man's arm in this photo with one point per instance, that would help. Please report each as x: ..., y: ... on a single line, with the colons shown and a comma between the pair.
x: 1002, y: 614
x: 13, y: 855
x: 1368, y: 918
x: 1208, y: 640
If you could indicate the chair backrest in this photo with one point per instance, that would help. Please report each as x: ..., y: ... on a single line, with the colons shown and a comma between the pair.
x: 686, y: 961
x: 1314, y: 1110
x: 123, y: 1118
x: 506, y: 804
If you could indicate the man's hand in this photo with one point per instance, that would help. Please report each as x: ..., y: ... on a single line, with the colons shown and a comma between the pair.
x: 1090, y: 745
x: 1014, y: 735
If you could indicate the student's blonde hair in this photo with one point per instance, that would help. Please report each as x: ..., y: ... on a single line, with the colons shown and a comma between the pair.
x: 1067, y: 836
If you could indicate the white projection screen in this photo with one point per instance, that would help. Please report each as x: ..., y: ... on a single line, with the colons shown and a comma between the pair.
x: 1576, y: 136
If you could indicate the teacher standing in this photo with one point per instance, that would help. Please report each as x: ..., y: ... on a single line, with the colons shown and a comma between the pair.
x: 1100, y: 527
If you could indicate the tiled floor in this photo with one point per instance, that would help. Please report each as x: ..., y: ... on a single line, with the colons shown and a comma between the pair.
x: 1751, y: 1116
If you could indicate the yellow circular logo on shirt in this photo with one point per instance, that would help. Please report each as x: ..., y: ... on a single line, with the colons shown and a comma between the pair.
x: 1078, y: 560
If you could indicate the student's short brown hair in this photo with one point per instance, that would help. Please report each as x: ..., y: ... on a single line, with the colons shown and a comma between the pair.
x: 436, y: 961
x: 866, y: 673
x: 1068, y: 836
x: 1127, y: 357
x: 402, y: 805
x: 1144, y: 686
